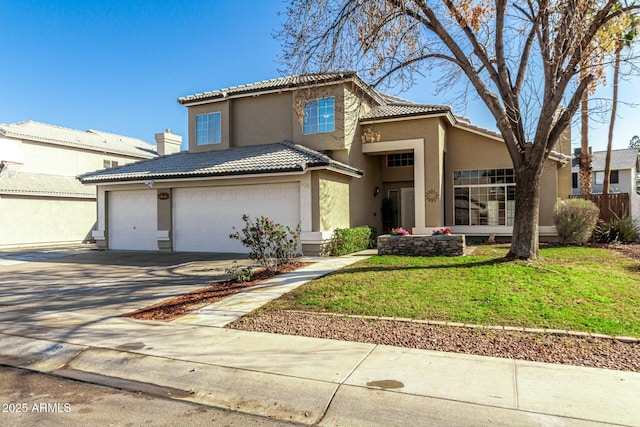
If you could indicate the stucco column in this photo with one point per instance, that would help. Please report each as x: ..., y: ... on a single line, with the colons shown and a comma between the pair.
x: 433, y: 194
x: 99, y: 233
x: 306, y: 204
x: 419, y: 170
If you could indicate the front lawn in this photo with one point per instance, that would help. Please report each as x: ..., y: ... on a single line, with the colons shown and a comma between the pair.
x: 575, y: 288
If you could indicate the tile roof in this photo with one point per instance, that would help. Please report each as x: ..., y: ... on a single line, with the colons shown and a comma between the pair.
x: 620, y: 159
x: 281, y: 83
x: 90, y: 139
x: 404, y: 109
x: 38, y: 184
x: 254, y: 159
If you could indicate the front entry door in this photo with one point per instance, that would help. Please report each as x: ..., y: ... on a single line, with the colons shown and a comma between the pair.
x: 407, y: 208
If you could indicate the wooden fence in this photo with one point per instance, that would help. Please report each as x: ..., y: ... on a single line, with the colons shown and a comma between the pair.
x: 612, y: 206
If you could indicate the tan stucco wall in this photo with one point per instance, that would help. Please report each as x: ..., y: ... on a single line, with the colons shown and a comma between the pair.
x: 225, y: 110
x: 564, y: 172
x: 321, y: 141
x: 548, y: 192
x: 262, y: 119
x: 394, y: 174
x: 365, y: 208
x: 334, y: 203
x: 28, y: 221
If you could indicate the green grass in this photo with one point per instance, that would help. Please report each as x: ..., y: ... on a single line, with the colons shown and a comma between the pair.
x: 575, y: 288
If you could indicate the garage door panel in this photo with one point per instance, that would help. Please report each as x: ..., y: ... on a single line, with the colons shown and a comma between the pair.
x: 206, y: 226
x: 133, y: 220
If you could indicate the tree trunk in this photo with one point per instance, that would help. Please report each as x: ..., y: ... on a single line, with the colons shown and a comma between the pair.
x: 585, y: 157
x: 614, y: 109
x: 525, y: 238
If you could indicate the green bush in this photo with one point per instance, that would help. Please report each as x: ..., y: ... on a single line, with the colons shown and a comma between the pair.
x: 241, y: 274
x: 350, y: 240
x: 624, y: 230
x: 270, y: 244
x: 575, y: 220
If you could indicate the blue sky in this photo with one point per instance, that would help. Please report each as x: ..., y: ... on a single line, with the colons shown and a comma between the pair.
x: 119, y: 66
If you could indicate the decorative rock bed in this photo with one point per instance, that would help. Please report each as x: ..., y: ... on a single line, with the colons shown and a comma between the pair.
x: 416, y: 245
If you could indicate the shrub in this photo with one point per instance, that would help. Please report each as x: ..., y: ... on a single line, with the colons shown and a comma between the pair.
x: 270, y: 244
x: 241, y: 274
x: 624, y: 230
x: 575, y: 220
x: 349, y: 240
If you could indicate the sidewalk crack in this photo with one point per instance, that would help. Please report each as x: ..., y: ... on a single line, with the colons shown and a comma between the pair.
x: 341, y: 383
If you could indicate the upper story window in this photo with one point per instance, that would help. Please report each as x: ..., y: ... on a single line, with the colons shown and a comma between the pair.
x: 399, y: 160
x: 208, y: 129
x: 319, y: 116
x: 109, y: 164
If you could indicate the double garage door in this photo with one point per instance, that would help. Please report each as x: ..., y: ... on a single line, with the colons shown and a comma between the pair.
x: 204, y: 217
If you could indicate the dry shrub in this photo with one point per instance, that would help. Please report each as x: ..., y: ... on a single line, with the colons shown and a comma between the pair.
x: 575, y: 220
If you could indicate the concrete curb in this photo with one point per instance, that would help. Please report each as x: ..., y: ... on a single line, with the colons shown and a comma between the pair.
x: 383, y: 385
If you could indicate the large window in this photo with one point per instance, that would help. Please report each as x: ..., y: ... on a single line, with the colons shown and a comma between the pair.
x: 208, y: 129
x: 319, y: 116
x: 484, y: 197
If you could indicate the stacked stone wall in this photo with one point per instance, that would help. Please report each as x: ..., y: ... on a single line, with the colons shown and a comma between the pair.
x: 442, y: 245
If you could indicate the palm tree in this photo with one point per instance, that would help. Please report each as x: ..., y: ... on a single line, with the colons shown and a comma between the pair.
x: 625, y: 39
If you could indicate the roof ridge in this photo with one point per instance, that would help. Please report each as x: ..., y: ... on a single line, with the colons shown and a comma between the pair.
x: 41, y: 173
x: 44, y: 124
x: 283, y: 83
x: 98, y: 132
x: 83, y: 132
x: 303, y: 149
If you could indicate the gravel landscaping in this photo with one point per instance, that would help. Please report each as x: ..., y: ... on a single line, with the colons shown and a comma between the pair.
x: 590, y: 352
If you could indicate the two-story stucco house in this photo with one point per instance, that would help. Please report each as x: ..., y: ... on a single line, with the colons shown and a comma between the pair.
x: 323, y: 150
x: 41, y: 201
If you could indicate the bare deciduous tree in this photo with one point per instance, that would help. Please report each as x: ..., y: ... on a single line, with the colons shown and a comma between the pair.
x: 499, y: 47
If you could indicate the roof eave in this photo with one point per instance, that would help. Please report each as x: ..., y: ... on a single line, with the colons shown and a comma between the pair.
x: 356, y: 173
x: 410, y: 116
x: 169, y: 177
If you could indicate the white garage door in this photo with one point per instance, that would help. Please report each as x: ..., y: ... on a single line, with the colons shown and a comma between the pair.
x: 204, y: 217
x: 133, y: 220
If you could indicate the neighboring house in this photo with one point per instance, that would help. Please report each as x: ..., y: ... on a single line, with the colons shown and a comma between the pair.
x: 41, y: 201
x: 322, y: 150
x: 624, y: 178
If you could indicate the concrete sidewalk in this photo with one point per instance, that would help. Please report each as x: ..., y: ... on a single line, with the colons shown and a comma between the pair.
x: 316, y: 381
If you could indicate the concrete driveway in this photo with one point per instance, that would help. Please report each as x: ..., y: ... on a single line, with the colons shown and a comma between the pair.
x: 98, y: 283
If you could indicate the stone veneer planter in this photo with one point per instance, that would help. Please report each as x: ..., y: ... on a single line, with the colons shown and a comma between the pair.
x: 416, y: 245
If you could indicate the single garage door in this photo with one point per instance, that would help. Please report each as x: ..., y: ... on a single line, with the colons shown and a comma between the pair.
x: 204, y: 217
x: 133, y: 220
